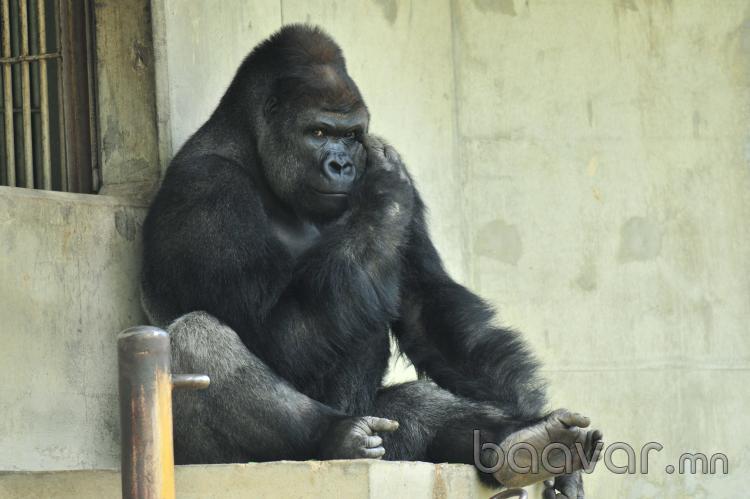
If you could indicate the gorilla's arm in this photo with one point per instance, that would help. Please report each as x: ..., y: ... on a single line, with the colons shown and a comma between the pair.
x: 345, y: 286
x: 291, y: 314
x: 449, y: 334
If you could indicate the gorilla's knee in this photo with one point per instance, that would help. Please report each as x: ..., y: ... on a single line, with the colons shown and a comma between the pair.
x: 201, y: 343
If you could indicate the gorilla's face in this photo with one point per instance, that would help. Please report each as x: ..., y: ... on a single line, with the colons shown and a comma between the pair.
x: 317, y: 159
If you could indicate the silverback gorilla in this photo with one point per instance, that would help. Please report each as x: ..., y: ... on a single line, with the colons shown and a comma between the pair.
x: 283, y: 247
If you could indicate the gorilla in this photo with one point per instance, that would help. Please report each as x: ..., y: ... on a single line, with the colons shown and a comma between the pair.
x: 284, y: 248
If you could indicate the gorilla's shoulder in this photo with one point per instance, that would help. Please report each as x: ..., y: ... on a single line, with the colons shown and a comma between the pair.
x: 208, y: 190
x: 208, y: 175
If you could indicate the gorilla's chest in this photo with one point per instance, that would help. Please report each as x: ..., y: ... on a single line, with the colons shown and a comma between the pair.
x: 295, y: 237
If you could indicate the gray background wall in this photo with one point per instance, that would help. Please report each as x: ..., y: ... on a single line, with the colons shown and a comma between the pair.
x: 586, y: 167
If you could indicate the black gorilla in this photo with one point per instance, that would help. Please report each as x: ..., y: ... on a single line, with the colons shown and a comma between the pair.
x: 284, y: 243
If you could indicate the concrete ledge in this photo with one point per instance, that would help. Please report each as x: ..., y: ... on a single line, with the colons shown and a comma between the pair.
x: 283, y: 479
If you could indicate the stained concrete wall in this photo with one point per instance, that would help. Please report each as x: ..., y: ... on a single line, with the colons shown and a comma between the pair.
x: 607, y: 190
x: 586, y: 167
x: 68, y: 284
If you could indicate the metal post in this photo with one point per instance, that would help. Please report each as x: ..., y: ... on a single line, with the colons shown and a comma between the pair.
x: 146, y: 412
x: 44, y: 97
x: 507, y: 494
x: 8, y: 96
x: 28, y: 149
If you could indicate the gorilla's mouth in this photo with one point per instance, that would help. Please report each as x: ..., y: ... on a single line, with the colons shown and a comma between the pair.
x: 334, y: 194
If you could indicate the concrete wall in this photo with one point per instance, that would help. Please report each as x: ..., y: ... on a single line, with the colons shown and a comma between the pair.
x: 586, y: 166
x: 607, y: 194
x: 68, y: 284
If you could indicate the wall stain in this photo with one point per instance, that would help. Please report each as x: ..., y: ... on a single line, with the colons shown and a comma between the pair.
x: 390, y: 10
x: 499, y: 241
x: 706, y: 311
x: 507, y: 7
x: 628, y: 5
x: 590, y: 112
x: 112, y: 138
x: 587, y: 276
x: 640, y: 239
x: 125, y: 224
x: 697, y: 122
x: 139, y: 56
x: 593, y: 165
x: 737, y: 50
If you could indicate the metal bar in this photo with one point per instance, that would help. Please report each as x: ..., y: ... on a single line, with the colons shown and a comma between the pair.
x: 44, y: 97
x: 28, y: 149
x: 30, y: 57
x: 61, y: 131
x: 63, y: 151
x: 146, y: 384
x: 18, y: 110
x: 507, y: 494
x: 190, y: 381
x: 8, y: 98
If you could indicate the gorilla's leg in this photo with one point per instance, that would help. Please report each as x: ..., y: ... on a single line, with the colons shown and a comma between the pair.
x: 437, y: 426
x: 250, y: 413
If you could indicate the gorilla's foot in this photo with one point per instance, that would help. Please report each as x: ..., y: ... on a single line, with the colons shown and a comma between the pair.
x: 356, y: 438
x: 557, y: 445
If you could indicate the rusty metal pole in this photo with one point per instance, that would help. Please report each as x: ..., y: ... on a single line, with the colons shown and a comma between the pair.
x: 507, y: 494
x: 146, y: 385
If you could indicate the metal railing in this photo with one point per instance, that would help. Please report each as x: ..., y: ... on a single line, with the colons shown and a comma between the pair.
x: 48, y: 137
x: 510, y: 493
x: 146, y: 385
x: 24, y: 58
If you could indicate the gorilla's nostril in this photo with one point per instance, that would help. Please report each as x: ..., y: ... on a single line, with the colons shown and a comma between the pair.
x: 335, y: 169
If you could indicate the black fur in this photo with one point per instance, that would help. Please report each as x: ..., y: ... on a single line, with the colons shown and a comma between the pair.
x: 235, y: 231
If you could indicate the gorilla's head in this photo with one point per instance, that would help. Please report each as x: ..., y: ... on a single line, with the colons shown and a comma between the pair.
x: 308, y: 120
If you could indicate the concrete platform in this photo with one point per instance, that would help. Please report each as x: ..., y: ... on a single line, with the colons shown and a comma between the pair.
x: 283, y: 479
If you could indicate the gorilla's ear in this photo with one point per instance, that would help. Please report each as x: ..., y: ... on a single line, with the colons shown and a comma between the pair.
x: 270, y: 106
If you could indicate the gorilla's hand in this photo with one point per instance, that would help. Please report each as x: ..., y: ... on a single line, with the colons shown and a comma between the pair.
x: 569, y: 487
x: 387, y: 187
x: 356, y: 438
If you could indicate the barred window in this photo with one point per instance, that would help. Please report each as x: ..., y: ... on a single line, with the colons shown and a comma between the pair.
x: 47, y: 125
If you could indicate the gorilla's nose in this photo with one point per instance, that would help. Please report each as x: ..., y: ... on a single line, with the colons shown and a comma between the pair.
x: 339, y: 170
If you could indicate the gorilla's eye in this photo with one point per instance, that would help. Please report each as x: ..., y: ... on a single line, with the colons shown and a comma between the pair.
x: 351, y: 135
x: 318, y: 133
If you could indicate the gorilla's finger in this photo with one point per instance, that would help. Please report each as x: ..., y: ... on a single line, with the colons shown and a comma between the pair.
x: 570, y: 490
x: 574, y: 419
x: 569, y: 485
x: 375, y: 453
x: 391, y: 154
x: 592, y: 439
x: 375, y: 143
x: 597, y: 435
x: 381, y: 424
x: 374, y: 441
x: 549, y: 493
